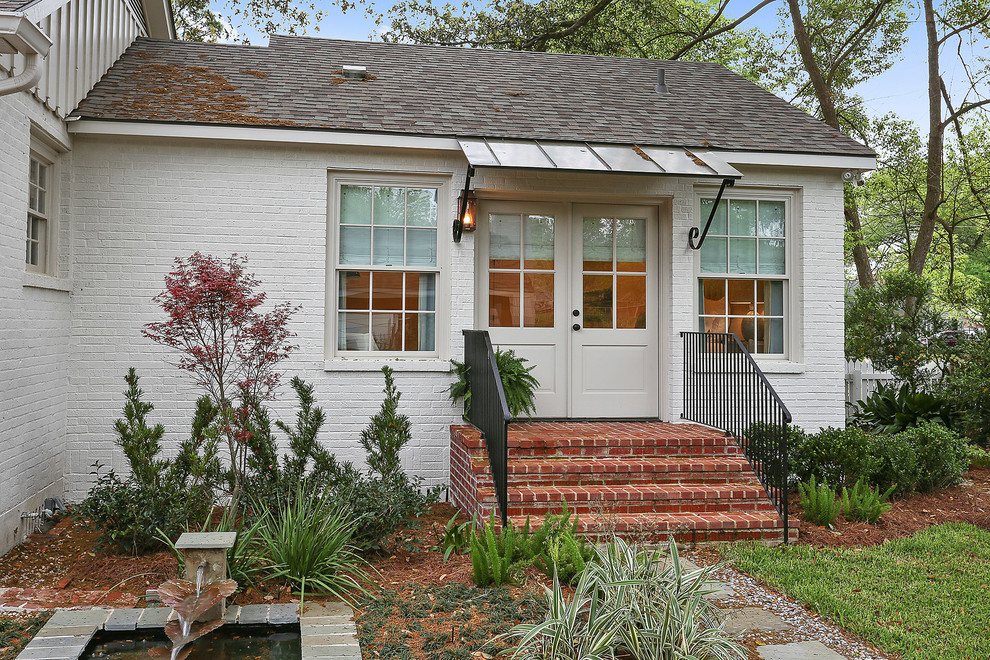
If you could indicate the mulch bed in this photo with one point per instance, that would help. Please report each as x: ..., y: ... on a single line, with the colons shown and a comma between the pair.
x: 968, y: 502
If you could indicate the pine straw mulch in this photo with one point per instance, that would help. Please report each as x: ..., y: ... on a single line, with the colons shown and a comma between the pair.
x: 17, y: 629
x: 968, y: 502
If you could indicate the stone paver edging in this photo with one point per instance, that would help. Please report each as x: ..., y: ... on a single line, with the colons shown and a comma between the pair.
x: 327, y: 631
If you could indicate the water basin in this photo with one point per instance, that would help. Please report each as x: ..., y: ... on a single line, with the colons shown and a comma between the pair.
x: 235, y: 642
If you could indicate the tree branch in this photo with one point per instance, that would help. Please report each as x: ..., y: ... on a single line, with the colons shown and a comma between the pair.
x: 725, y: 28
x: 567, y: 28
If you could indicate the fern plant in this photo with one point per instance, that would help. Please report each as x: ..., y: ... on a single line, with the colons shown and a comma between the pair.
x: 865, y: 504
x: 498, y: 557
x: 556, y: 547
x: 518, y: 383
x: 819, y: 503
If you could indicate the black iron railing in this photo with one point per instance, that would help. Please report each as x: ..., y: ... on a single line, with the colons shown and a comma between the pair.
x: 725, y: 388
x: 489, y: 410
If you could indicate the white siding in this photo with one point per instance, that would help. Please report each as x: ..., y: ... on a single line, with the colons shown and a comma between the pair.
x: 87, y: 38
x: 140, y: 202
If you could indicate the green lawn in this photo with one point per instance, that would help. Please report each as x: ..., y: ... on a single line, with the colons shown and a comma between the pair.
x: 926, y: 596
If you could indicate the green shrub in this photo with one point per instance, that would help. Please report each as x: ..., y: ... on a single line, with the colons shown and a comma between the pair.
x: 893, y: 409
x: 863, y: 504
x: 834, y: 456
x: 518, y: 383
x: 159, y: 494
x: 819, y: 503
x: 455, y: 538
x: 895, y: 464
x: 942, y: 455
x: 966, y: 384
x: 556, y: 548
x: 307, y: 542
x: 498, y: 557
x: 387, y: 433
x: 978, y: 457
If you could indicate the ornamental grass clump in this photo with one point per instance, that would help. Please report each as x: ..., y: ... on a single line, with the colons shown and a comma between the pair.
x: 307, y: 542
x: 631, y: 602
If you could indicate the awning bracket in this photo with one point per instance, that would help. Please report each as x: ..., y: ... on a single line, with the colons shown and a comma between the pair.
x: 459, y: 220
x: 693, y: 232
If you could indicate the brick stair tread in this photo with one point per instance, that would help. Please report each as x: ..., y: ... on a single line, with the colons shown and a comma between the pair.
x: 598, y: 465
x: 660, y: 521
x: 628, y: 492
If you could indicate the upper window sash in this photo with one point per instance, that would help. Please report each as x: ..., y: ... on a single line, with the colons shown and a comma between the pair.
x: 388, y: 227
x: 746, y: 237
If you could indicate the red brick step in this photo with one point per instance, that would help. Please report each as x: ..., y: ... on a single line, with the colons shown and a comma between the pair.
x: 608, y: 470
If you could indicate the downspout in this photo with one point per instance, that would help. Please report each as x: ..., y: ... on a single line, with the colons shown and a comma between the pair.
x: 19, y: 36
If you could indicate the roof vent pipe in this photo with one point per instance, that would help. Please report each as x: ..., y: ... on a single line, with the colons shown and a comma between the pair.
x: 662, y: 82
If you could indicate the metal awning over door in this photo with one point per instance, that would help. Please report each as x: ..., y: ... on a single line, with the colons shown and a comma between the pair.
x: 595, y: 157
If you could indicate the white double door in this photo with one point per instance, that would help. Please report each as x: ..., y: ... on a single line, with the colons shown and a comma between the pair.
x: 574, y: 289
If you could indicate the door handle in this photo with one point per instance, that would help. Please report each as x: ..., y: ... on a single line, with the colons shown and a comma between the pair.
x: 576, y: 326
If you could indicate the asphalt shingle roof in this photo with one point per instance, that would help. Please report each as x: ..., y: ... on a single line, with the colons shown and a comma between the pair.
x: 14, y: 5
x: 442, y: 91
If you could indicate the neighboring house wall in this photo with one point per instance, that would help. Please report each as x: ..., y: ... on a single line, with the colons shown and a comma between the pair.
x: 88, y: 36
x: 141, y: 202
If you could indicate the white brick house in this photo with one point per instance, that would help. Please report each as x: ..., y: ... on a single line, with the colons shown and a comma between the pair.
x: 342, y: 193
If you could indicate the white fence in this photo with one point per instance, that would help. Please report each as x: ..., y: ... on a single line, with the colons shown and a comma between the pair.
x: 862, y: 380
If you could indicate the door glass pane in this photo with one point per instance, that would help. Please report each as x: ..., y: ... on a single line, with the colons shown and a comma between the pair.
x: 503, y: 241
x: 355, y: 205
x: 388, y: 246
x: 630, y: 245
x: 390, y: 206
x: 421, y: 247
x: 713, y: 255
x: 630, y: 301
x: 355, y: 245
x: 712, y: 296
x: 598, y: 244
x: 355, y: 290
x: 386, y: 331
x: 386, y: 292
x: 742, y: 217
x: 539, y: 242
x: 421, y: 291
x: 538, y: 294
x: 718, y: 222
x: 771, y: 219
x: 421, y: 207
x: 352, y: 331
x: 772, y: 256
x: 742, y: 255
x: 420, y: 332
x: 598, y: 301
x: 503, y: 300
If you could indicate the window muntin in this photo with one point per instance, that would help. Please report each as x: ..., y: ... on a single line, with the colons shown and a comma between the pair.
x: 36, y: 247
x: 387, y: 273
x: 743, y: 273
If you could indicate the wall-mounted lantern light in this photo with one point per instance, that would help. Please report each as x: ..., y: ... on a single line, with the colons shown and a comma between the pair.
x: 467, y: 209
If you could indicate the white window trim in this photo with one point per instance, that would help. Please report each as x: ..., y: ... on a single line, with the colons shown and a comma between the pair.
x: 336, y: 360
x: 49, y: 158
x: 791, y: 360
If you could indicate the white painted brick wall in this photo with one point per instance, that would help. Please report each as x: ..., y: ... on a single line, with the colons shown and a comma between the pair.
x: 138, y: 203
x: 34, y: 334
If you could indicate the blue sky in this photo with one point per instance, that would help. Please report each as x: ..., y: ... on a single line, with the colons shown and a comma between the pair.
x: 902, y: 89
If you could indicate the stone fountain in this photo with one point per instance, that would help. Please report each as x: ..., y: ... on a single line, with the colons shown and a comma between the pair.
x: 198, y: 600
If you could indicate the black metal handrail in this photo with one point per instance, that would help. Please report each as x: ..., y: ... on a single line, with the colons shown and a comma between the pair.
x: 726, y: 389
x: 489, y: 410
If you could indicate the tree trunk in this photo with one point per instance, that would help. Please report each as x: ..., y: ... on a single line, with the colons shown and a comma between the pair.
x: 864, y: 269
x: 933, y: 180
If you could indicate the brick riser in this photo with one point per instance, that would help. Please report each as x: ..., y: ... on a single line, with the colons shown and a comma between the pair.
x: 644, y: 477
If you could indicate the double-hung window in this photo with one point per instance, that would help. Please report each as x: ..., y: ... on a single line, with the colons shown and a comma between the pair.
x: 742, y: 287
x: 386, y: 269
x: 38, y: 215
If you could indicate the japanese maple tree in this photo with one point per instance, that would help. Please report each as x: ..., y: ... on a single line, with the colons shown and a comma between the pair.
x: 227, y: 343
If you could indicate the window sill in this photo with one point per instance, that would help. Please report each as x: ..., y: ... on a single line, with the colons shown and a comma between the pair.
x: 781, y: 367
x: 429, y: 365
x: 41, y: 281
